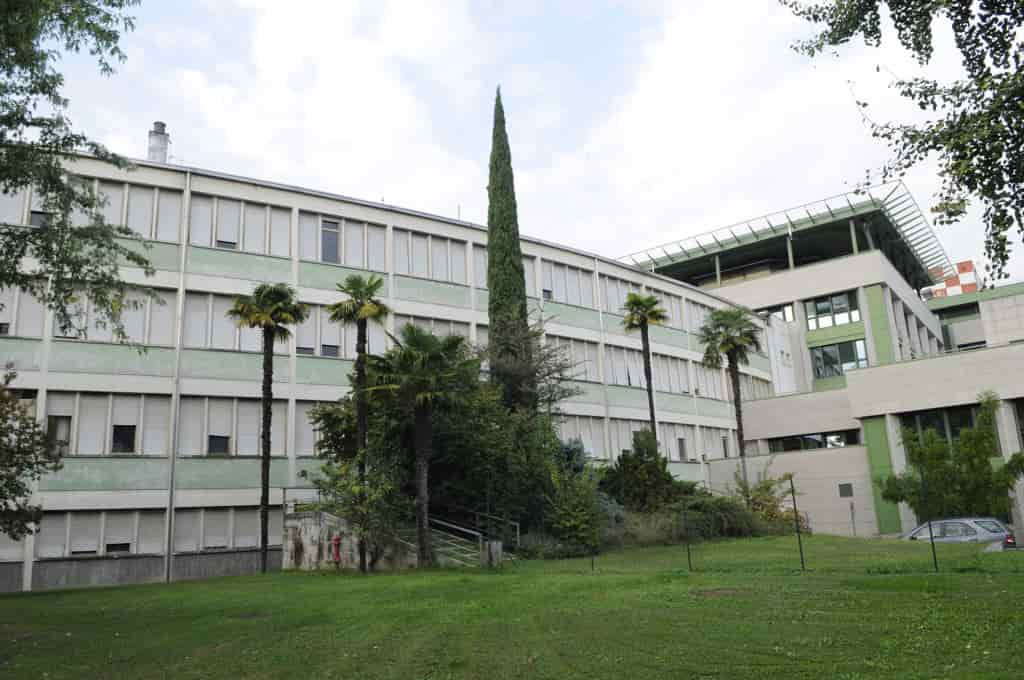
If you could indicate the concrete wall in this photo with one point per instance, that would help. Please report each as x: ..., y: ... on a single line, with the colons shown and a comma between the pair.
x: 936, y: 381
x: 223, y: 563
x: 10, y: 577
x: 80, y: 572
x: 1002, y: 319
x: 817, y: 475
x: 804, y: 413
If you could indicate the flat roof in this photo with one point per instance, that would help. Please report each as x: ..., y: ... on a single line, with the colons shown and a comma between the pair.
x: 891, y: 199
x: 950, y: 301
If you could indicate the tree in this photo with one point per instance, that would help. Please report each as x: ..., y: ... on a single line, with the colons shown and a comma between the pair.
x: 640, y: 479
x: 26, y: 454
x: 730, y: 334
x: 76, y: 252
x: 271, y: 308
x: 361, y: 307
x: 425, y: 374
x: 642, y: 312
x: 360, y: 484
x: 956, y: 479
x: 506, y: 307
x: 977, y: 136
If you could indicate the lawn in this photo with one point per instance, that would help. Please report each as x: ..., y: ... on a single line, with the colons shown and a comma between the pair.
x: 864, y: 609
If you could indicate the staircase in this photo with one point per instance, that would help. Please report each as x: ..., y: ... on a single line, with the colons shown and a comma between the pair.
x: 454, y: 545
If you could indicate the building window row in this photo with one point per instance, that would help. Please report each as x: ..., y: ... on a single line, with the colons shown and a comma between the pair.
x: 752, y: 387
x: 319, y: 336
x: 231, y: 224
x: 215, y: 426
x: 480, y: 270
x: 581, y: 353
x: 709, y: 382
x: 614, y: 292
x: 439, y: 327
x: 207, y: 325
x: 947, y: 422
x: 623, y: 366
x: 697, y: 314
x: 834, y: 360
x: 147, y: 320
x: 429, y: 257
x: 832, y: 310
x: 21, y: 313
x: 781, y: 312
x: 677, y: 442
x: 588, y: 430
x: 817, y: 440
x: 98, y: 424
x: 671, y: 374
x: 143, y: 532
x: 567, y: 284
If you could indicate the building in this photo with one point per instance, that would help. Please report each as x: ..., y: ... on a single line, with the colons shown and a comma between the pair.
x: 856, y: 353
x: 161, y: 474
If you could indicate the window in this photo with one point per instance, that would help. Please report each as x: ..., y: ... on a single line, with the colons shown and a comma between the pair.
x: 168, y: 215
x: 123, y: 439
x: 5, y: 328
x: 229, y: 215
x: 218, y: 445
x: 329, y: 351
x: 280, y: 232
x: 307, y: 236
x: 58, y: 431
x: 255, y: 230
x: 329, y: 243
x: 670, y: 374
x: 781, y: 312
x: 817, y: 440
x: 156, y: 421
x: 581, y: 353
x: 834, y: 360
x: 420, y: 258
x: 118, y: 532
x: 438, y: 258
x: 957, y: 530
x: 832, y: 310
x: 697, y: 313
x: 224, y: 332
x: 846, y: 490
x: 480, y: 266
x: 200, y: 220
x: 376, y: 258
x: 305, y: 335
x: 39, y: 218
x: 140, y: 210
x: 354, y: 233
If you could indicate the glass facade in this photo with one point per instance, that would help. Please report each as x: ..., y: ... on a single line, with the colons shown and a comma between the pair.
x: 834, y: 360
x: 832, y: 310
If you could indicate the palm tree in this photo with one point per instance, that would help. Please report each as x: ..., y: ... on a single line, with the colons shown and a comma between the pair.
x: 361, y: 307
x: 272, y: 307
x: 425, y: 373
x: 642, y: 312
x: 730, y: 333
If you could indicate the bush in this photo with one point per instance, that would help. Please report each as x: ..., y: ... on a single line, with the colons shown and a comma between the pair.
x: 575, y: 516
x: 544, y: 546
x: 640, y: 480
x: 719, y: 517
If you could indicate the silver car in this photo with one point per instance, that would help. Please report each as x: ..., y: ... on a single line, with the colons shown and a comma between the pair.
x: 984, y: 530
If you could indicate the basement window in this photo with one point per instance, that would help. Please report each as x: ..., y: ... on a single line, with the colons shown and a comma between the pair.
x: 309, y: 351
x: 118, y: 548
x: 39, y: 218
x: 846, y: 490
x: 227, y: 245
x: 329, y: 350
x: 123, y: 439
x: 5, y: 329
x: 218, y: 445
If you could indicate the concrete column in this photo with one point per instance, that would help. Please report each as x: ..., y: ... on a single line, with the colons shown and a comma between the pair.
x: 898, y: 455
x: 1010, y: 442
x: 853, y: 236
x: 718, y: 270
x: 789, y: 251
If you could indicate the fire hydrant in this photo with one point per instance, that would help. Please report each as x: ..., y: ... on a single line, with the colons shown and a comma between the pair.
x: 336, y: 551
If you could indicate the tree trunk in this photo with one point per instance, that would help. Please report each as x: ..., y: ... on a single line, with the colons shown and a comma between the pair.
x: 266, y: 404
x: 424, y: 436
x: 737, y: 402
x: 645, y: 339
x: 361, y: 427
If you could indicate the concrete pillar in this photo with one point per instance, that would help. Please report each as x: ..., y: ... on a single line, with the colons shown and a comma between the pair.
x: 853, y: 236
x: 898, y: 455
x: 789, y: 251
x: 1010, y: 443
x: 718, y: 270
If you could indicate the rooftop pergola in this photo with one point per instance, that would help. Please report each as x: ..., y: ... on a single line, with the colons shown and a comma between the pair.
x: 892, y: 201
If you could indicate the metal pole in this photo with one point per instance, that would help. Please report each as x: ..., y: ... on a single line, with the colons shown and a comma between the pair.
x: 853, y: 519
x: 686, y: 531
x: 796, y: 523
x: 931, y: 536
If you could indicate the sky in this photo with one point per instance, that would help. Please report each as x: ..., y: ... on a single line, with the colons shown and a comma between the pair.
x: 632, y: 123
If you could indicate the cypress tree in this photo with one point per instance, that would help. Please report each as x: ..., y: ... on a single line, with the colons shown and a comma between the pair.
x: 509, y: 348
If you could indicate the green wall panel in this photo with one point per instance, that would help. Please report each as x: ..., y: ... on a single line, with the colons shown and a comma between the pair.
x: 714, y: 408
x: 107, y: 474
x: 613, y: 326
x: 432, y: 292
x: 238, y: 265
x: 881, y: 332
x: 675, y: 403
x: 571, y: 315
x: 830, y: 336
x: 690, y: 472
x: 322, y: 371
x: 760, y: 362
x: 876, y: 439
x: 328, y: 276
x: 309, y: 465
x: 24, y: 353
x: 627, y: 397
x: 670, y: 336
x: 590, y: 393
x: 163, y: 256
x: 836, y: 382
x: 94, y: 357
x: 482, y: 300
x: 227, y: 473
x: 229, y: 365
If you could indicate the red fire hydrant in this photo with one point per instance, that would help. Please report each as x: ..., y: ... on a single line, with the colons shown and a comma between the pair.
x: 336, y: 551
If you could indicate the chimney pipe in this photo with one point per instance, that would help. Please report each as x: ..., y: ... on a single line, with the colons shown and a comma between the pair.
x: 158, y: 141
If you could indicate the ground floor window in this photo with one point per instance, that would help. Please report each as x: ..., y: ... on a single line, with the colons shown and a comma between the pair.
x: 817, y: 440
x: 834, y: 360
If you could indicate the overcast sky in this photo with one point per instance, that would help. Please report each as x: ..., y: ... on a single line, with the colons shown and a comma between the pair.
x: 631, y: 123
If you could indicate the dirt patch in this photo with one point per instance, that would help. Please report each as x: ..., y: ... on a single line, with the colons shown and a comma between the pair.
x: 250, y: 615
x: 717, y: 592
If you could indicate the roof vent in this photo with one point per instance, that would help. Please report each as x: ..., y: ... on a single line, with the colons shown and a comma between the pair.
x: 158, y: 142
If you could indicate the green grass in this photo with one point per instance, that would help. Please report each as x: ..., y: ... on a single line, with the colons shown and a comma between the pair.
x: 865, y: 609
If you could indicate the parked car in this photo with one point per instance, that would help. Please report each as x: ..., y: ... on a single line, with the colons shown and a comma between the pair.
x: 984, y: 530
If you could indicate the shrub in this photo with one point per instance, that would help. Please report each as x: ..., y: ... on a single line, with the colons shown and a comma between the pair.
x: 718, y: 517
x: 541, y: 545
x: 575, y: 516
x: 640, y: 480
